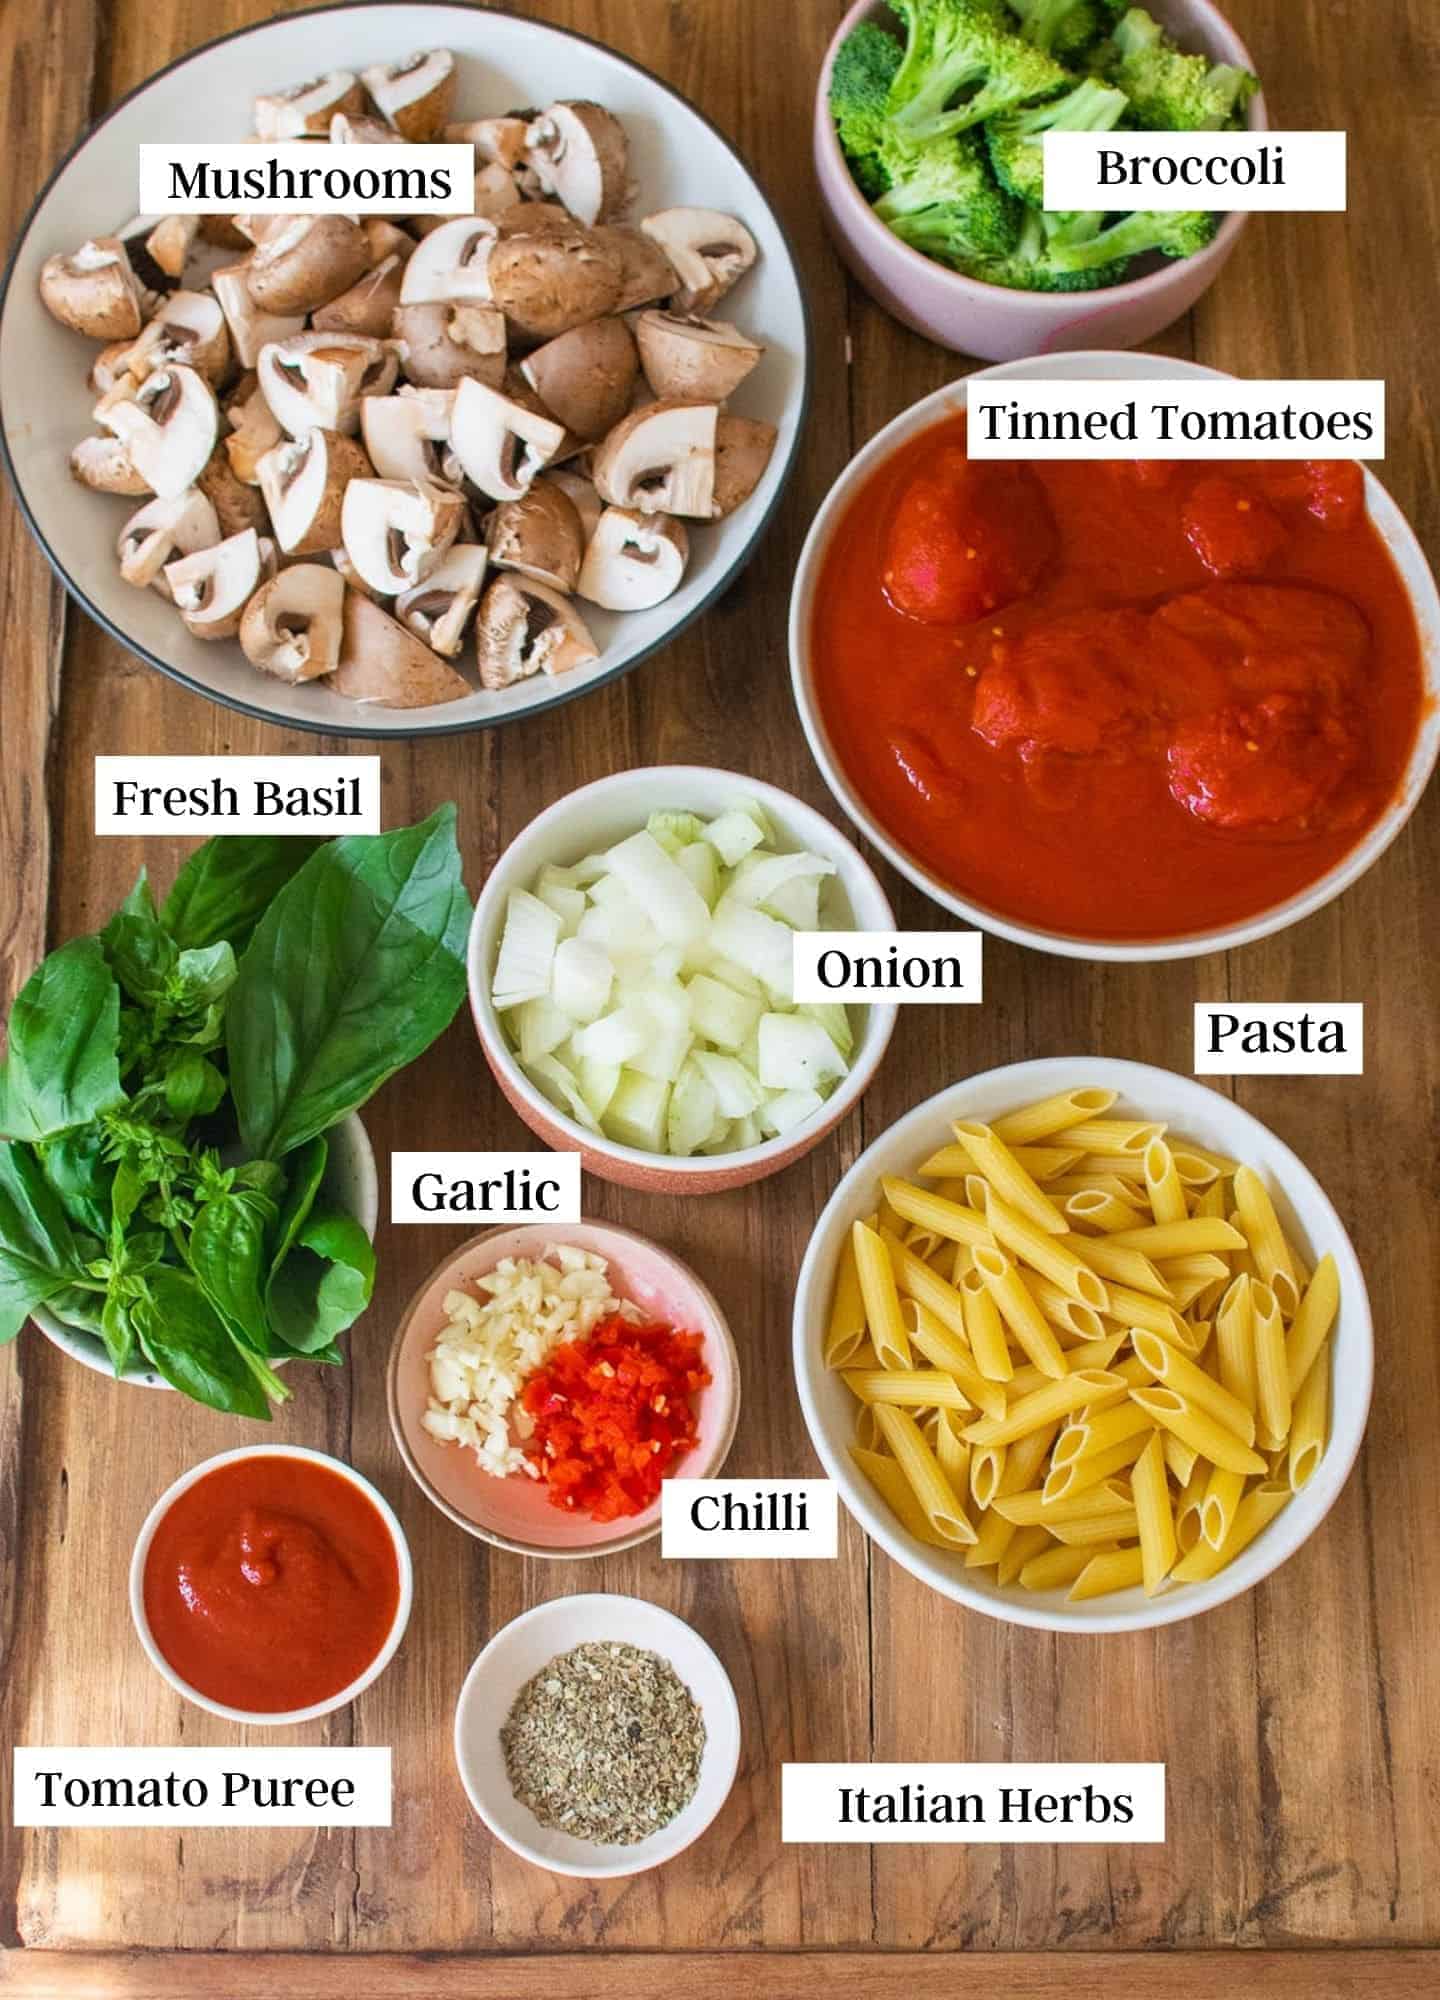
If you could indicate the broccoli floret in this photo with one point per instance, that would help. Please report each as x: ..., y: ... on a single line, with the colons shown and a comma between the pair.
x: 943, y: 199
x: 1174, y: 235
x: 865, y: 67
x: 1170, y: 91
x: 963, y: 64
x: 1016, y: 141
x: 1067, y: 28
x: 1032, y: 266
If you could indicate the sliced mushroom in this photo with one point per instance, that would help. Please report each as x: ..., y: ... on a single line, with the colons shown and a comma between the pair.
x: 579, y: 153
x: 387, y: 667
x: 581, y: 493
x: 501, y: 140
x: 451, y: 263
x: 94, y: 290
x: 396, y: 530
x: 500, y: 443
x: 495, y: 194
x: 171, y: 241
x: 547, y: 279
x: 212, y: 587
x: 293, y: 625
x: 405, y: 435
x: 539, y: 535
x: 250, y: 328
x: 385, y: 239
x: 633, y: 560
x: 346, y: 129
x: 304, y: 481
x: 306, y: 109
x: 439, y: 609
x: 661, y: 460
x: 110, y: 367
x: 584, y: 377
x: 369, y: 305
x: 439, y: 345
x: 416, y: 95
x: 314, y: 381
x: 743, y: 449
x: 189, y: 329
x: 221, y: 232
x: 308, y: 262
x: 104, y: 465
x: 253, y: 430
x: 168, y: 425
x: 162, y: 530
x: 646, y: 273
x: 526, y: 628
x: 698, y: 360
x: 237, y: 506
x: 710, y: 252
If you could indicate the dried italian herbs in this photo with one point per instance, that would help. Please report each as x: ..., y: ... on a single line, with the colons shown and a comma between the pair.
x: 604, y: 1743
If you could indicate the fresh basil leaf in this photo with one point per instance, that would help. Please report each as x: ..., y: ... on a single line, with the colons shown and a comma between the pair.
x: 192, y: 1085
x: 324, y: 1284
x: 140, y: 954
x: 117, y: 1330
x: 82, y: 1310
x: 62, y: 1070
x: 227, y: 1254
x: 141, y: 900
x: 228, y: 884
x: 184, y: 1339
x: 266, y: 1177
x: 357, y: 966
x: 39, y: 1255
x: 306, y: 1169
x: 76, y: 1167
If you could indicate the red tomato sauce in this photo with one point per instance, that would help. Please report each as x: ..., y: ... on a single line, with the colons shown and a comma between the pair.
x: 1112, y: 699
x: 271, y: 1584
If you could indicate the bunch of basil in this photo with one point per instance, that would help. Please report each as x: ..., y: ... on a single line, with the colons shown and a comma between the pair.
x: 170, y: 1083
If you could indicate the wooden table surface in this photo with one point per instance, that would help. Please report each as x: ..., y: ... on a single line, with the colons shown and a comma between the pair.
x: 1300, y: 1724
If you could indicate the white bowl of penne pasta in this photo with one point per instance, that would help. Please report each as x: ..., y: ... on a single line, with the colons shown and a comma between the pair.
x: 1084, y: 1346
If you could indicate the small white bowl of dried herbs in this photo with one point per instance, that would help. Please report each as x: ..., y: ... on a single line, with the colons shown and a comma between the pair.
x: 597, y: 1735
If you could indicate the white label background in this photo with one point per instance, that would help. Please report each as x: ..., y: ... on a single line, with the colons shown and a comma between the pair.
x: 367, y: 1770
x: 680, y: 1537
x: 1233, y: 1061
x: 561, y: 1168
x: 1207, y: 398
x: 810, y: 1803
x: 1313, y: 163
x: 966, y: 946
x: 241, y: 774
x: 317, y: 156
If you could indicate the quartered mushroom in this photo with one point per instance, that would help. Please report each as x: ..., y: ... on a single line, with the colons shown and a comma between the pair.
x: 646, y: 273
x: 407, y: 435
x: 386, y: 238
x: 105, y: 466
x: 168, y: 424
x: 415, y: 96
x: 189, y: 329
x: 498, y: 140
x: 250, y: 328
x: 660, y: 460
x: 344, y: 567
x: 384, y: 666
x: 439, y: 345
x: 305, y: 263
x: 352, y: 129
x: 396, y: 530
x: 212, y: 587
x: 162, y: 530
x: 110, y: 367
x: 579, y: 153
x: 495, y: 194
x: 585, y: 377
x: 540, y: 535
x: 368, y: 306
x: 253, y: 429
x: 171, y: 241
x: 304, y: 481
x: 439, y: 610
x: 314, y: 381
x: 581, y: 493
x: 709, y: 251
x: 451, y: 263
x: 94, y: 290
x: 306, y: 109
x: 633, y: 561
x: 237, y: 505
x: 293, y: 625
x: 500, y: 442
x: 743, y: 448
x: 547, y: 277
x: 523, y: 628
x: 697, y: 360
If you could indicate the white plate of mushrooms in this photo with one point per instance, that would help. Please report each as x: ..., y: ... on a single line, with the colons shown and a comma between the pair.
x: 391, y: 477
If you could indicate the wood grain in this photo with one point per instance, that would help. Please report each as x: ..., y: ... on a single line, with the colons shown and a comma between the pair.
x: 1300, y: 1724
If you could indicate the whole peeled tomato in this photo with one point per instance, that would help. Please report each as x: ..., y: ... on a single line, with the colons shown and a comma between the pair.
x: 966, y: 539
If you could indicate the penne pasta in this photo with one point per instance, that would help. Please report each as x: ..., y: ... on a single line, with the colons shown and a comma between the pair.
x: 1048, y: 1405
x: 1051, y: 1256
x: 882, y: 1300
x: 1177, y: 1371
x: 1312, y: 1323
x: 1164, y: 1240
x: 1125, y: 1138
x: 1025, y: 1545
x: 1163, y: 1185
x: 1210, y: 1200
x: 867, y: 1431
x: 1199, y: 1429
x: 1205, y: 1265
x: 986, y: 1331
x: 1020, y: 1313
x: 1223, y: 1494
x: 940, y: 1347
x: 1055, y: 1568
x: 1090, y: 1354
x: 992, y: 1538
x: 1273, y: 1402
x: 1266, y: 1239
x: 1106, y: 1572
x: 1310, y: 1425
x: 1150, y: 1484
x: 1063, y: 1310
x: 1097, y: 1208
x: 1255, y: 1513
x: 1027, y: 1508
x: 1189, y: 1503
x: 846, y: 1329
x: 1138, y: 1309
x: 1111, y: 1527
x: 993, y: 1158
x: 1101, y: 1432
x: 1119, y: 1267
x: 933, y: 1212
x: 894, y: 1489
x: 1081, y: 1475
x: 1051, y: 1115
x: 1090, y: 1177
x: 1046, y: 1163
x: 1180, y: 1459
x: 938, y: 1500
x: 1225, y: 1168
x: 906, y: 1388
x: 915, y: 1280
x: 1194, y: 1170
x: 987, y: 1469
x: 1235, y: 1342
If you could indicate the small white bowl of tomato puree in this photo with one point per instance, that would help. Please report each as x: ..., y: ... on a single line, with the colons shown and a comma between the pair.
x: 1109, y: 709
x: 271, y: 1585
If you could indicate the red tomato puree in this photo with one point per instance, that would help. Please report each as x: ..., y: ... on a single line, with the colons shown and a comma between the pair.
x: 1114, y: 699
x: 271, y: 1584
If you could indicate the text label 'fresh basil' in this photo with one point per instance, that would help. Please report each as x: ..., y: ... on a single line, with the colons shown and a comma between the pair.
x: 202, y: 795
x: 489, y: 1187
x: 936, y: 966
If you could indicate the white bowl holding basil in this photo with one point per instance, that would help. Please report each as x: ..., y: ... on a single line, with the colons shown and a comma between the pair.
x: 184, y: 1185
